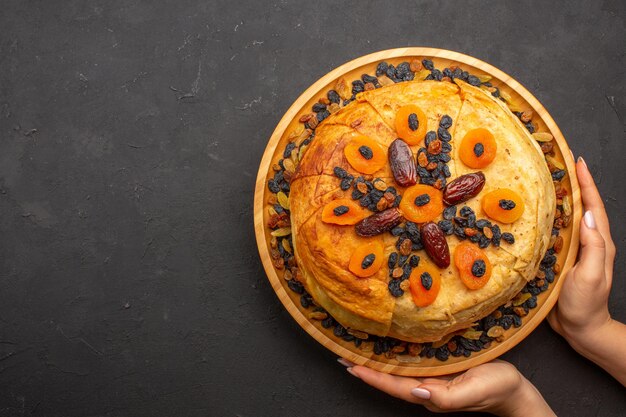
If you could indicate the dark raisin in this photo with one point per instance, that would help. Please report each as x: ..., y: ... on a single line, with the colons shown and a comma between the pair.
x: 339, y: 330
x: 345, y: 184
x: 483, y: 223
x: 406, y: 268
x: 365, y: 200
x: 497, y: 235
x: 318, y: 107
x: 506, y: 322
x: 279, y: 209
x: 428, y: 64
x: 422, y: 172
x: 340, y: 210
x: 427, y: 281
x: 413, y: 232
x: 479, y: 149
x: 340, y: 172
x: 461, y: 221
x: 474, y: 238
x: 369, y: 79
x: 295, y: 286
x: 473, y: 80
x: 348, y: 337
x: 508, y: 237
x: 414, y: 261
x: 506, y: 204
x: 391, y: 72
x: 530, y: 127
x: 357, y: 86
x: 430, y: 136
x: 413, y: 122
x: 444, y: 135
x: 271, y: 184
x: 458, y: 231
x: 549, y: 275
x: 449, y: 212
x: 333, y: 97
x: 290, y: 147
x: 446, y: 226
x: 483, y: 241
x: 558, y: 175
x: 422, y: 200
x: 464, y: 75
x: 442, y: 353
x: 548, y: 261
x: 356, y: 194
x: 446, y: 147
x: 436, y: 75
x: 328, y: 322
x: 446, y: 121
x: 466, y: 211
x: 444, y: 157
x: 366, y: 152
x: 402, y: 260
x: 394, y: 288
x: 517, y: 321
x: 381, y: 68
x: 397, y: 231
x: 322, y: 115
x: 368, y: 261
x: 305, y: 300
x: 396, y: 202
x: 393, y: 259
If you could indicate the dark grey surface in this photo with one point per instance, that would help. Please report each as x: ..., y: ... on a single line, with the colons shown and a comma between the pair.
x: 130, y: 283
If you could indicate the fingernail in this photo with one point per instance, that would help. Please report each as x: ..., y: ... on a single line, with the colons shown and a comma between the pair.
x: 590, y: 222
x: 420, y: 393
x: 351, y: 371
x: 580, y: 159
x: 345, y: 362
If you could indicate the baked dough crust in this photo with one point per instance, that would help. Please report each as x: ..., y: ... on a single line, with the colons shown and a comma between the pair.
x: 323, y: 250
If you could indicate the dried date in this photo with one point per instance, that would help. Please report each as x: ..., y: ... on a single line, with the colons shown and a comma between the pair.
x: 402, y: 163
x: 463, y: 188
x: 379, y: 222
x: 435, y: 244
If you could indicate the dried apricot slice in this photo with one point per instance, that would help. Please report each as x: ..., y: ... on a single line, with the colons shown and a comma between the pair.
x: 421, y: 203
x: 425, y: 282
x: 367, y: 259
x: 503, y: 205
x: 478, y: 148
x: 411, y: 124
x: 365, y: 155
x: 473, y: 265
x: 343, y: 211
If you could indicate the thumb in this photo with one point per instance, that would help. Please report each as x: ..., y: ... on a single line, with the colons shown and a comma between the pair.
x: 593, y: 249
x: 451, y: 396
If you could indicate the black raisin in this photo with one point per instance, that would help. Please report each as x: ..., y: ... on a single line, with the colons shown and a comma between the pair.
x: 413, y: 122
x: 473, y: 80
x: 442, y: 353
x: 328, y: 322
x: 497, y: 235
x: 446, y: 226
x: 449, y: 212
x: 558, y: 175
x: 340, y: 210
x: 428, y: 64
x: 368, y: 261
x: 271, y: 184
x: 427, y: 281
x: 340, y: 172
x: 295, y: 286
x: 366, y: 152
x: 357, y: 86
x: 479, y: 149
x: 445, y: 122
x: 413, y: 232
x: 483, y: 223
x: 322, y: 115
x: 446, y: 147
x: 339, y: 330
x: 356, y: 194
x: 397, y: 231
x: 458, y: 231
x: 483, y: 241
x: 436, y: 75
x: 414, y: 261
x: 345, y: 184
x: 393, y: 259
x: 444, y: 135
x: 369, y: 79
x: 381, y: 68
x: 318, y: 107
x: 506, y: 204
x: 508, y: 237
x: 333, y: 97
x: 422, y: 200
x: 394, y: 288
x: 466, y: 211
x: 402, y: 260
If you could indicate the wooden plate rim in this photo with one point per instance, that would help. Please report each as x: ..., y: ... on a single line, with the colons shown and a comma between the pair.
x: 414, y: 369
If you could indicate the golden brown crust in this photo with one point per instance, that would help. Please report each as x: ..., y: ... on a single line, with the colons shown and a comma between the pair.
x: 323, y: 250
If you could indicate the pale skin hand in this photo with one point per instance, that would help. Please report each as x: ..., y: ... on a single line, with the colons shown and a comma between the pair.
x: 496, y: 387
x: 581, y: 315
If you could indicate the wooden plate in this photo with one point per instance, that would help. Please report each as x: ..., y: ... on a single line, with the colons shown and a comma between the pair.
x: 352, y: 71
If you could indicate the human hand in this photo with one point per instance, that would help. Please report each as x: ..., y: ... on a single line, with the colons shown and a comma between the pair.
x: 496, y: 387
x: 581, y: 314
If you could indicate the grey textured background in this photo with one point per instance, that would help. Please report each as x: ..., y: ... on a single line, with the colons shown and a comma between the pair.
x: 130, y: 283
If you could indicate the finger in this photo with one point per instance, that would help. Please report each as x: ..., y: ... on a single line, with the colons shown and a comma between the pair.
x: 450, y: 397
x: 397, y: 386
x: 591, y: 266
x: 591, y: 198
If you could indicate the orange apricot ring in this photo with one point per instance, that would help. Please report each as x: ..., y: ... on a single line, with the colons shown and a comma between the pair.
x: 343, y: 211
x: 421, y: 203
x: 411, y: 129
x: 473, y: 265
x: 425, y: 283
x: 503, y: 205
x: 478, y: 148
x: 367, y: 259
x: 365, y: 155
